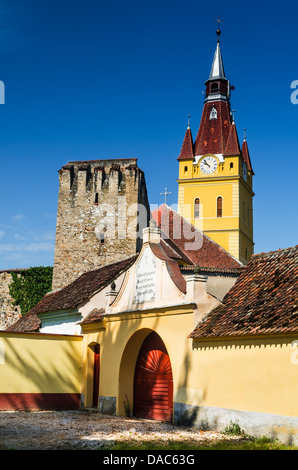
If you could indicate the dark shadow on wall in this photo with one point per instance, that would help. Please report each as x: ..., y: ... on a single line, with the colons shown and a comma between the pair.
x: 49, y: 385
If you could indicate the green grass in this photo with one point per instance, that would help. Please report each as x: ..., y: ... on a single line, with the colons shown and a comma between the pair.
x: 242, y: 442
x: 263, y: 443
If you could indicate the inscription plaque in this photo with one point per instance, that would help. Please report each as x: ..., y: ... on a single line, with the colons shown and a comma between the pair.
x: 145, y: 279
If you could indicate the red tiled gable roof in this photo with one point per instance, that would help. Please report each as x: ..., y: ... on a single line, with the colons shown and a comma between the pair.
x: 28, y: 323
x: 72, y: 295
x: 187, y: 147
x: 177, y: 233
x: 264, y: 299
x: 213, y: 134
x: 95, y: 315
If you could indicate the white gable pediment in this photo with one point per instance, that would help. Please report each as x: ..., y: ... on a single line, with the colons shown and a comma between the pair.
x: 149, y: 283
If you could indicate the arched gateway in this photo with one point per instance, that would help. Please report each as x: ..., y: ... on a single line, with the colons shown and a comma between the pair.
x: 153, y: 381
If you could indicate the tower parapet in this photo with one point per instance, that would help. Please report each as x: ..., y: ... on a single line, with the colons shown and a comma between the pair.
x: 102, y: 210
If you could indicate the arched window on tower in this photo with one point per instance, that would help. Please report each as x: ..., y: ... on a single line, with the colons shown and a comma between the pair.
x: 214, y: 87
x: 197, y: 208
x: 219, y: 207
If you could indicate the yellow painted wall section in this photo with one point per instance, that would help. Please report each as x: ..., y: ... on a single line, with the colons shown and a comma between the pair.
x: 246, y: 374
x: 40, y: 363
x: 258, y: 375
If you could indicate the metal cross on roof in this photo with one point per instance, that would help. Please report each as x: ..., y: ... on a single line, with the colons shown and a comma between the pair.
x: 165, y: 194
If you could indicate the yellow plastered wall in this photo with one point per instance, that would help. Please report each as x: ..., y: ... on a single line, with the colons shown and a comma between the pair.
x: 253, y: 374
x: 40, y: 363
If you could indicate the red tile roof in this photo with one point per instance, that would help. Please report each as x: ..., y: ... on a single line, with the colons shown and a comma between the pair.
x: 246, y: 156
x: 264, y: 299
x: 232, y: 147
x: 190, y: 244
x: 72, y: 295
x: 216, y: 136
x: 187, y: 147
x: 94, y: 316
x: 213, y: 134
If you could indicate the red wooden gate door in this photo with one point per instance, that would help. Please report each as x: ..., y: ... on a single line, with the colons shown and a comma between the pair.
x: 96, y: 368
x: 153, y: 382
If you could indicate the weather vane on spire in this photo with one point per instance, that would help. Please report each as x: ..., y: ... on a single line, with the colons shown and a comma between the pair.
x: 218, y: 21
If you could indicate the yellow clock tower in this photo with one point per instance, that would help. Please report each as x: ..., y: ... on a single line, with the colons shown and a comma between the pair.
x: 215, y: 173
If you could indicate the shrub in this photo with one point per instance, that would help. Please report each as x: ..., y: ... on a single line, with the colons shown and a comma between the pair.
x: 28, y: 287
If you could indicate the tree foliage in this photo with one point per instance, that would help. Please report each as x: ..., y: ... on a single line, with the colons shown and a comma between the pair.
x: 28, y: 287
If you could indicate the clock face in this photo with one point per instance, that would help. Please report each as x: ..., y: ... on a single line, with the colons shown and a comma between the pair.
x: 244, y: 171
x: 208, y: 165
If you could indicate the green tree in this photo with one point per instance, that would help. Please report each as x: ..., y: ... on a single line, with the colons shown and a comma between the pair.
x: 30, y: 286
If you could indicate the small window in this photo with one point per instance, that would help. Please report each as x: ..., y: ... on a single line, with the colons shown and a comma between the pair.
x: 214, y: 87
x: 213, y: 114
x: 102, y: 238
x: 197, y: 208
x: 96, y: 198
x: 185, y: 169
x: 231, y: 165
x: 219, y: 206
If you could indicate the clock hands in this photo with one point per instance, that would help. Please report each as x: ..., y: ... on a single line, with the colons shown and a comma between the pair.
x: 209, y: 162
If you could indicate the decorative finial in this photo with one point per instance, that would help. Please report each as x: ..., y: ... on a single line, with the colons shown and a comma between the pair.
x: 218, y: 32
x: 188, y: 126
x: 244, y: 134
x: 233, y: 116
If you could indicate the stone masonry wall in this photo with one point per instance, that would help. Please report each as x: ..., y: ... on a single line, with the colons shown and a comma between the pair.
x: 9, y: 313
x: 102, y: 210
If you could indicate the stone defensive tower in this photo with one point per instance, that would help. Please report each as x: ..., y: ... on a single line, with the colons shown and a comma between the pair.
x: 102, y: 210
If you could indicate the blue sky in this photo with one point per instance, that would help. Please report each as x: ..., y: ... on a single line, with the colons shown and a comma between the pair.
x: 96, y: 79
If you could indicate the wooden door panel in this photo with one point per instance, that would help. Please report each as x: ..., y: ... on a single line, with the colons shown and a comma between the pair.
x: 153, y: 385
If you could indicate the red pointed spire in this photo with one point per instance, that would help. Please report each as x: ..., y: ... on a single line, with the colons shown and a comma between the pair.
x: 232, y: 147
x: 215, y: 127
x: 187, y: 147
x: 246, y: 156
